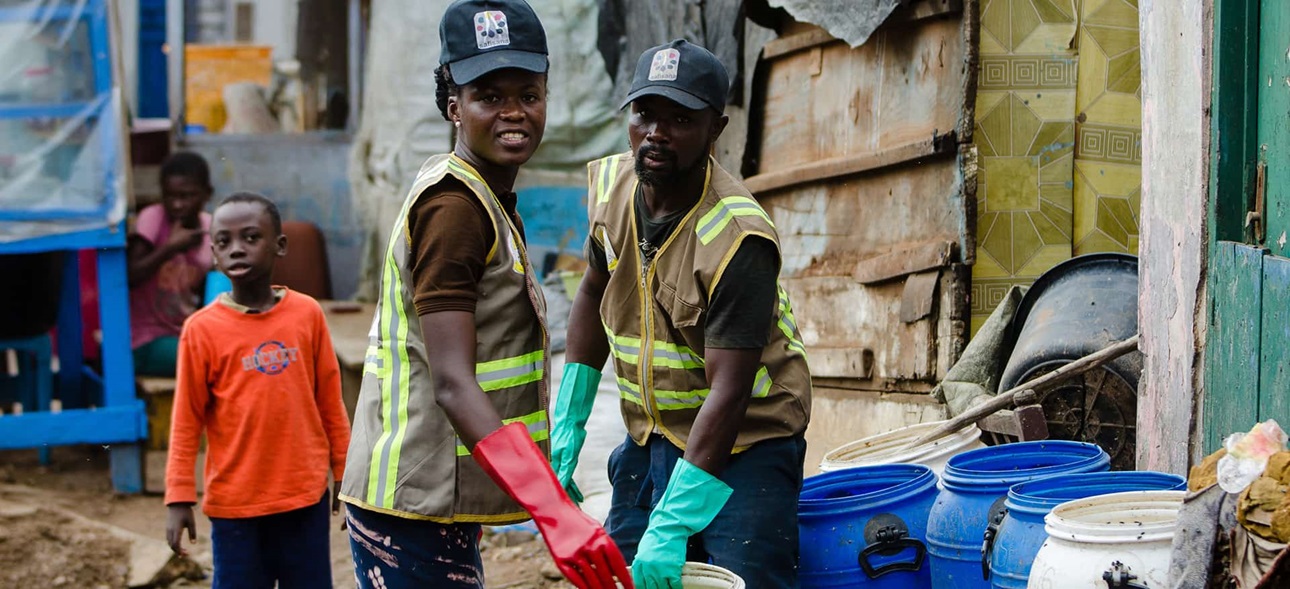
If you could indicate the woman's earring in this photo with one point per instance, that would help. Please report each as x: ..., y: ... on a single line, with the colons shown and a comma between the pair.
x: 457, y: 123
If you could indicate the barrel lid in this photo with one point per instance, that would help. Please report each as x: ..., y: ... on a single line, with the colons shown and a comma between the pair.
x: 1040, y: 496
x: 863, y: 487
x: 997, y: 468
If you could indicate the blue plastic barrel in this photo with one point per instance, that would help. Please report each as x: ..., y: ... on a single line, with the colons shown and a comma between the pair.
x: 973, y: 490
x: 216, y: 284
x: 1022, y: 533
x: 865, y: 527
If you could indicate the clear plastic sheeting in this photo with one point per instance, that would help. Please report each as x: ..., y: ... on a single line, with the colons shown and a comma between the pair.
x: 852, y: 21
x: 400, y: 125
x: 62, y: 148
x: 583, y: 122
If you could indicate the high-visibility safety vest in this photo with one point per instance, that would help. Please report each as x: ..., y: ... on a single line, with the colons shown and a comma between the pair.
x: 405, y: 458
x: 654, y: 314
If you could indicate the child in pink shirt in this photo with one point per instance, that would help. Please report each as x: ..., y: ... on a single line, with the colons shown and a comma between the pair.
x: 169, y: 256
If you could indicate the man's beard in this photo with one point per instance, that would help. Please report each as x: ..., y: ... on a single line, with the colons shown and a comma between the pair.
x: 655, y: 178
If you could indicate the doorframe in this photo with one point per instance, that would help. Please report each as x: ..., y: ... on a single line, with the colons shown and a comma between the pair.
x: 1232, y: 155
x: 1234, y: 101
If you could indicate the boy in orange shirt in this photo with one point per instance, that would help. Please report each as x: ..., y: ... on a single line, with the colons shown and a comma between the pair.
x: 257, y: 372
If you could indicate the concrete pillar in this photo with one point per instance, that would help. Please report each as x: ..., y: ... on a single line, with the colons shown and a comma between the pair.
x: 1175, y: 205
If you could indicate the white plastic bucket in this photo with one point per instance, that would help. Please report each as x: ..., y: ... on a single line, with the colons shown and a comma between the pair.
x: 889, y: 448
x: 1126, y: 533
x: 697, y: 575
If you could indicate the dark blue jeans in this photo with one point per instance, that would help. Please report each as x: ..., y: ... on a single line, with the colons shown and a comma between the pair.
x: 291, y: 548
x: 392, y: 552
x: 754, y: 535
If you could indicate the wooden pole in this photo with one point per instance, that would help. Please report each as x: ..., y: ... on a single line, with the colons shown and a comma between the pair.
x: 1004, y: 399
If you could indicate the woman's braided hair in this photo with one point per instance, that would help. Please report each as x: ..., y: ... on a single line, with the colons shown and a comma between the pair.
x: 443, y: 88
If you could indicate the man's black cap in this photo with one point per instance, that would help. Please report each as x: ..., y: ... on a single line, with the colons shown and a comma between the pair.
x: 480, y: 36
x: 682, y: 72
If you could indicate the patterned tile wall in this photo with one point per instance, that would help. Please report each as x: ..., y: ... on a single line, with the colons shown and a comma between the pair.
x: 1059, y: 134
x: 1108, y: 128
x: 1025, y: 132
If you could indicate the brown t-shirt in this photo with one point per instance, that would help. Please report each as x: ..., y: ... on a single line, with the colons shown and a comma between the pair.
x: 451, y: 234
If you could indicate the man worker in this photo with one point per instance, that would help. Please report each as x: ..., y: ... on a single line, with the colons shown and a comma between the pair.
x: 711, y: 370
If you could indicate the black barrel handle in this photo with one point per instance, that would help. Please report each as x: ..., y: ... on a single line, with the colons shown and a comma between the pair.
x: 888, y: 535
x: 1119, y: 576
x: 997, y: 512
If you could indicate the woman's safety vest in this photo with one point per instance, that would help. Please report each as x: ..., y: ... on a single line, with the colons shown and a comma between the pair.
x: 654, y: 314
x: 404, y: 456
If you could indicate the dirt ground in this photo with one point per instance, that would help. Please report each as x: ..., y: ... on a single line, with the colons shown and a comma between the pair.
x: 41, y: 546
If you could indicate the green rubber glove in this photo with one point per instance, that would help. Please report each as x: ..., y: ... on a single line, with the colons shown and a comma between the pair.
x: 692, y: 499
x: 569, y: 422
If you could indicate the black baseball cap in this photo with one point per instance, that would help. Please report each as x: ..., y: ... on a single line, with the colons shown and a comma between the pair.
x: 682, y: 72
x: 480, y: 36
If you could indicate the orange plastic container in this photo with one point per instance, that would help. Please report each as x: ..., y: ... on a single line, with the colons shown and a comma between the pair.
x: 208, y: 68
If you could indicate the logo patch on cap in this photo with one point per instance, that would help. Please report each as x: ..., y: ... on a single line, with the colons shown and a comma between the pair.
x: 664, y: 65
x: 491, y: 29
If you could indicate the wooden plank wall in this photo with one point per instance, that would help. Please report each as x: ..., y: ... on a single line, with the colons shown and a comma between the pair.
x: 861, y: 163
x: 1274, y: 378
x: 1233, y: 355
x: 1246, y: 372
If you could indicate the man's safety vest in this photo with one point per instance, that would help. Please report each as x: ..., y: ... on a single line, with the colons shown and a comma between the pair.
x: 404, y: 456
x: 654, y: 314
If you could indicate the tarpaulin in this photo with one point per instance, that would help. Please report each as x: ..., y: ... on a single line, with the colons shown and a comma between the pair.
x: 975, y: 376
x: 629, y: 27
x: 852, y: 21
x: 62, y: 145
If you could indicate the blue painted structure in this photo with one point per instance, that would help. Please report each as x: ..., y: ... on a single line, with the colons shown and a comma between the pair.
x: 866, y: 527
x: 111, y: 414
x: 1021, y: 534
x: 973, y: 490
x: 555, y: 221
x: 153, y: 88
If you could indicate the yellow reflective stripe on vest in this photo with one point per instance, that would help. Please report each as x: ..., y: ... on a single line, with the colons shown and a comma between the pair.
x: 666, y: 355
x: 675, y: 400
x: 394, y: 391
x: 464, y: 171
x: 605, y: 179
x: 372, y: 362
x: 625, y: 349
x: 535, y: 422
x: 392, y: 329
x: 630, y: 391
x: 711, y: 224
x: 676, y: 356
x: 761, y: 384
x: 788, y: 324
x: 510, y: 372
x: 672, y: 400
x: 516, y: 264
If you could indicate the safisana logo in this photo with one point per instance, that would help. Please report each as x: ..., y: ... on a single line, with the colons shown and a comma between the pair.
x: 664, y: 65
x: 491, y: 29
x: 271, y: 357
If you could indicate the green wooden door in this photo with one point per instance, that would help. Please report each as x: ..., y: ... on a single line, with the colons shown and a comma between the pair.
x: 1246, y: 377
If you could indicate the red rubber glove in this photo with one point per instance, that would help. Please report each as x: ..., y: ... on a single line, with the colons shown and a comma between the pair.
x: 580, y: 547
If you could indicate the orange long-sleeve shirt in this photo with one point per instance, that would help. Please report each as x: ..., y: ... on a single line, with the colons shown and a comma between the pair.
x: 265, y: 387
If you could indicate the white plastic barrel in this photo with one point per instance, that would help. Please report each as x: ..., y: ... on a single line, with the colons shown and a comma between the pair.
x: 889, y: 448
x: 1128, y: 535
